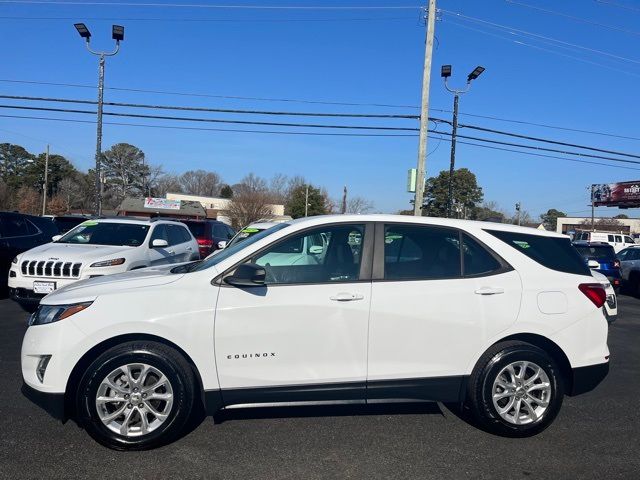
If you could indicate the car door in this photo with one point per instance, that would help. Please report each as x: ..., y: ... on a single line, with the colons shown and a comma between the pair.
x: 302, y: 336
x: 437, y: 295
x: 180, y: 250
x: 629, y: 261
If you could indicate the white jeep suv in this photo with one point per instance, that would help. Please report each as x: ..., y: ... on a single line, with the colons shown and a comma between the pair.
x: 501, y: 319
x: 96, y: 248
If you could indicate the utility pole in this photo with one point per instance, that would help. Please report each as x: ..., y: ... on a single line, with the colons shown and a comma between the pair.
x: 424, y: 111
x: 593, y: 213
x: 117, y: 33
x: 44, y: 185
x: 343, y: 209
x: 306, y: 200
x: 445, y: 73
x: 518, y: 207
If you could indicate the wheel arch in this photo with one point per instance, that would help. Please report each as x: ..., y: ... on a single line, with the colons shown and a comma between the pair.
x: 550, y: 347
x: 82, y: 364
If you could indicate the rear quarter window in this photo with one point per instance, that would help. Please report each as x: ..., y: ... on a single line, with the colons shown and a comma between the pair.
x: 552, y: 252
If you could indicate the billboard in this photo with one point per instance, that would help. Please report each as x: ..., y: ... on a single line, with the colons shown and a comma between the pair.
x: 623, y: 194
x: 161, y: 204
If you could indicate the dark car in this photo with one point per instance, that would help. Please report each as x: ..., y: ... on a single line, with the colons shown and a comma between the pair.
x: 209, y: 233
x: 64, y: 223
x: 19, y: 233
x: 601, y: 257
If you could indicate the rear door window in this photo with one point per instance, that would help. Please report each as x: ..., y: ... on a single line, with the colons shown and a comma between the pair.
x: 17, y: 226
x: 175, y: 235
x: 618, y: 238
x: 555, y: 253
x: 477, y: 260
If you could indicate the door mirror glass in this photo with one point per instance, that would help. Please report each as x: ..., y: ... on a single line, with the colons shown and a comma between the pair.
x: 55, y: 238
x: 593, y: 264
x: 222, y: 244
x: 247, y: 275
x: 159, y: 243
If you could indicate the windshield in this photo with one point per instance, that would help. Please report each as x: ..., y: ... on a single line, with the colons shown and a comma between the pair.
x: 197, y: 228
x: 107, y: 233
x: 244, y: 234
x: 232, y: 249
x: 596, y: 253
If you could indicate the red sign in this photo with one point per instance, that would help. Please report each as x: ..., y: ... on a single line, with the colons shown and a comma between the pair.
x: 624, y: 194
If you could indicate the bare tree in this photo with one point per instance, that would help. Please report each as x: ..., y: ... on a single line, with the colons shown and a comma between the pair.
x: 167, y: 183
x: 28, y: 201
x: 605, y: 224
x: 201, y: 182
x: 359, y: 205
x: 247, y: 207
x: 6, y: 200
x: 279, y: 187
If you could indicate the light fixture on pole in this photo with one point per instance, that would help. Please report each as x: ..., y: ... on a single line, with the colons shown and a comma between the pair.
x: 117, y: 34
x: 445, y: 73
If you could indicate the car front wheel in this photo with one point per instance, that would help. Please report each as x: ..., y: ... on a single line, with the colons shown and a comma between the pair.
x: 136, y: 396
x: 516, y: 389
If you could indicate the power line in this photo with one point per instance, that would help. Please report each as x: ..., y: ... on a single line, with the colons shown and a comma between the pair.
x: 204, y: 95
x: 209, y: 120
x: 538, y: 36
x: 211, y: 20
x: 577, y: 19
x: 216, y: 110
x: 436, y: 135
x: 218, y: 7
x: 619, y: 5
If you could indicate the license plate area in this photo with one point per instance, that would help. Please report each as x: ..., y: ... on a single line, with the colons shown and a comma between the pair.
x: 44, y: 287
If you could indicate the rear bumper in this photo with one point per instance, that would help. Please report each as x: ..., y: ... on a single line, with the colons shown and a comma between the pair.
x: 52, y: 403
x: 587, y: 378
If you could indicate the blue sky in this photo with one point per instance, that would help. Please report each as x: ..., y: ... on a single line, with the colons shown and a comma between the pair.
x: 357, y: 56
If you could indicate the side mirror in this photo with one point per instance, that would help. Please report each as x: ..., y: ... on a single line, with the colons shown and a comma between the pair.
x: 222, y: 244
x: 55, y: 238
x: 316, y: 249
x: 247, y: 275
x: 593, y: 264
x: 159, y: 243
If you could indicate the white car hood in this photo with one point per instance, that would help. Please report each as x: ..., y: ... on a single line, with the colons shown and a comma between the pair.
x: 90, y: 289
x: 73, y: 252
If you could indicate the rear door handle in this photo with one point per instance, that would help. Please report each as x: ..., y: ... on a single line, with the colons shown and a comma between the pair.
x: 190, y: 249
x: 489, y: 290
x: 346, y: 297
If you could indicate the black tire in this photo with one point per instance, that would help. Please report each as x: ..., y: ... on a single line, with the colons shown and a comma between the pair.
x: 159, y: 356
x: 480, y: 388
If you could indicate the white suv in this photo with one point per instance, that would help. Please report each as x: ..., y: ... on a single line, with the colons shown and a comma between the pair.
x: 502, y: 319
x: 96, y: 248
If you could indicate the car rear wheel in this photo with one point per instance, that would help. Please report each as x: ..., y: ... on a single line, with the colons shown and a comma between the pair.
x: 516, y: 389
x: 136, y: 396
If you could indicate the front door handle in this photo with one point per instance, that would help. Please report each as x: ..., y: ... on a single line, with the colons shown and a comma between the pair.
x: 171, y: 252
x: 489, y: 290
x: 346, y: 297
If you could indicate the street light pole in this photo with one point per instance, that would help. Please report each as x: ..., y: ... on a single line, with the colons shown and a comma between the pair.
x: 117, y: 33
x: 44, y: 185
x: 445, y: 73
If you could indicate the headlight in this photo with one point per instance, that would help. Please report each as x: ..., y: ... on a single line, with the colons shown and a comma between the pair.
x: 52, y: 313
x: 15, y: 260
x: 108, y: 263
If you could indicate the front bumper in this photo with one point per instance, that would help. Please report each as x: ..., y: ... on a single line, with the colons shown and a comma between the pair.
x: 25, y: 296
x: 52, y: 403
x: 587, y: 378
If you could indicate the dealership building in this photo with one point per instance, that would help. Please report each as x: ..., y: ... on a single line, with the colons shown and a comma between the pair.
x: 571, y: 224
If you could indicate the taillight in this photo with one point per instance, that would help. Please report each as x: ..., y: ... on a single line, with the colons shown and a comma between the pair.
x: 594, y: 292
x: 203, y: 242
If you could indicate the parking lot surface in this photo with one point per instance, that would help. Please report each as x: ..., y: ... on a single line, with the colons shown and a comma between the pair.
x: 596, y: 435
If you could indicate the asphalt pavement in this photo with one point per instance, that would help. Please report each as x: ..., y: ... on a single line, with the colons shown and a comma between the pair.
x: 596, y: 435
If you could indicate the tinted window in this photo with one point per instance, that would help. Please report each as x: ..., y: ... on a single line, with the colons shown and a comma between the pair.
x: 552, y: 252
x: 160, y: 233
x: 175, y: 234
x: 417, y: 252
x: 630, y: 254
x: 17, y: 226
x: 197, y: 228
x: 65, y: 224
x: 628, y: 240
x: 230, y: 232
x: 610, y: 238
x: 186, y: 236
x: 322, y: 255
x: 619, y: 238
x: 107, y: 233
x: 596, y: 252
x: 219, y: 231
x: 476, y: 259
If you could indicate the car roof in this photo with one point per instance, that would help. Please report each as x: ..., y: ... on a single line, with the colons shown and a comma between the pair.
x: 437, y: 221
x: 261, y: 225
x: 135, y: 221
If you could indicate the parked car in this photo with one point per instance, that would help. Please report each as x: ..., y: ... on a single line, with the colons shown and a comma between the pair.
x: 96, y: 248
x: 19, y: 232
x: 618, y: 241
x: 601, y: 257
x: 64, y: 223
x: 504, y: 319
x: 630, y: 269
x: 209, y: 234
x: 611, y: 305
